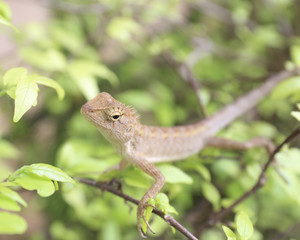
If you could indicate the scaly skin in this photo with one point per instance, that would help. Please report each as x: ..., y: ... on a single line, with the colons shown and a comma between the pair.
x: 144, y: 145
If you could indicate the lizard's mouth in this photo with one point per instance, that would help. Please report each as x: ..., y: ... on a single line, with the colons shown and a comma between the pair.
x: 89, y: 114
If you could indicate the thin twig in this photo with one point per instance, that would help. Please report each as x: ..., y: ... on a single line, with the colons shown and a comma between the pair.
x: 169, y: 219
x: 187, y: 75
x: 260, y: 182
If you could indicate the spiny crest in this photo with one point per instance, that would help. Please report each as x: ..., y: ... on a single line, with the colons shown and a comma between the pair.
x: 132, y: 112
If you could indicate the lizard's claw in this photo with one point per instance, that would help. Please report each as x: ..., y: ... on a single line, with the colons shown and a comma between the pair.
x: 140, y: 216
x: 148, y: 225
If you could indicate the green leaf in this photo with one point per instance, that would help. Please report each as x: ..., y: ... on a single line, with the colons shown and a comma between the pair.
x: 87, y: 85
x: 11, y: 223
x: 5, y: 10
x: 174, y: 174
x: 43, y: 170
x: 229, y: 234
x: 84, y: 73
x: 12, y: 195
x: 49, y: 60
x: 211, y: 193
x: 287, y: 88
x: 11, y: 78
x: 51, y: 83
x: 136, y: 178
x: 5, y: 15
x: 26, y: 96
x: 203, y: 171
x: 28, y: 181
x: 162, y: 203
x: 7, y: 23
x: 289, y: 159
x: 51, y: 172
x: 244, y: 225
x: 9, y: 204
x: 295, y: 54
x: 103, y: 72
x: 121, y: 28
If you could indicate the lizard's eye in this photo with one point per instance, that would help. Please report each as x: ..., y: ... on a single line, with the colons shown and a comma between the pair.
x: 114, y: 113
x: 116, y: 117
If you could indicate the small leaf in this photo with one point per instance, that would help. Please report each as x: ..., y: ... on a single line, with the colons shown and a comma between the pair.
x: 229, y: 234
x: 85, y: 73
x: 13, y: 195
x: 289, y: 87
x: 121, y: 28
x: 9, y: 204
x: 5, y: 10
x: 28, y: 181
x: 11, y: 223
x: 5, y: 15
x: 103, y: 72
x: 11, y: 78
x: 39, y: 177
x: 51, y: 83
x: 288, y: 158
x: 136, y: 178
x: 174, y: 174
x: 244, y: 225
x: 47, y: 171
x: 7, y: 23
x: 26, y: 95
x: 48, y: 60
x: 87, y: 85
x: 203, y: 171
x: 162, y: 203
x: 211, y: 193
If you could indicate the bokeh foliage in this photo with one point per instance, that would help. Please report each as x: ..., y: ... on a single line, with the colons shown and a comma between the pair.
x: 124, y: 48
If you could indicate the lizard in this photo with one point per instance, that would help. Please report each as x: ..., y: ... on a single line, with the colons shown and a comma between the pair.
x: 144, y: 145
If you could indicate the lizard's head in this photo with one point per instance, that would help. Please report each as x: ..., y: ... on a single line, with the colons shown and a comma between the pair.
x: 114, y: 120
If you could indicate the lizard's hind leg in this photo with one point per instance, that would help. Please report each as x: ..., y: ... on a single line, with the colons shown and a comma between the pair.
x: 235, y: 145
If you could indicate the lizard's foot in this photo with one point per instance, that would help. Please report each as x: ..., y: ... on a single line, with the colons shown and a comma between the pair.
x: 140, y: 216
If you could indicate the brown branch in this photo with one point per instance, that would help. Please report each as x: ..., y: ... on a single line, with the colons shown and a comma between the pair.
x: 260, y: 182
x: 109, y: 188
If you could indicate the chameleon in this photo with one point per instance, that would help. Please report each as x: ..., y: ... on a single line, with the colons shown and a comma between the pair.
x: 144, y: 145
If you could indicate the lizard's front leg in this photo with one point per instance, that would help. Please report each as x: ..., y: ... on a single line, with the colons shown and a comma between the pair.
x: 154, y: 172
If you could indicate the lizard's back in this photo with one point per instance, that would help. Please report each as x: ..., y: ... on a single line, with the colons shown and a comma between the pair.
x: 158, y: 144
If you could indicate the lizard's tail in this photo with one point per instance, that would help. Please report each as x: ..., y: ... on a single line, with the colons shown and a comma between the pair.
x: 221, y: 119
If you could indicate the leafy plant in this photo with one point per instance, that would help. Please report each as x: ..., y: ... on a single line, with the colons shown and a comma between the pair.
x: 40, y: 177
x: 135, y: 51
x: 23, y: 88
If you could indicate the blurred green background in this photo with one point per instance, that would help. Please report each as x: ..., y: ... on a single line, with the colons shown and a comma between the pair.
x: 130, y: 49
